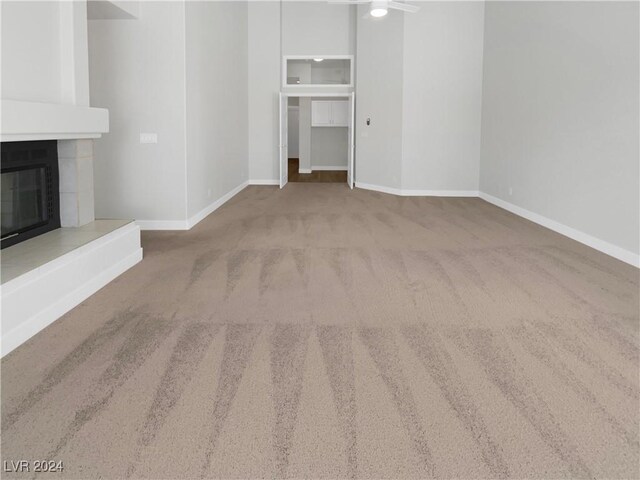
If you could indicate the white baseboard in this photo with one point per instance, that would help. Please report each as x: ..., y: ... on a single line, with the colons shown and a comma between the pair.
x: 584, y: 238
x: 198, y: 217
x: 304, y: 170
x: 86, y: 270
x: 264, y: 182
x: 340, y: 168
x: 193, y: 220
x: 162, y: 224
x: 417, y: 193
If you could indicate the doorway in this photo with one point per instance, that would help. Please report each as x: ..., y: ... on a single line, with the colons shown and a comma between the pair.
x: 317, y: 154
x: 317, y: 138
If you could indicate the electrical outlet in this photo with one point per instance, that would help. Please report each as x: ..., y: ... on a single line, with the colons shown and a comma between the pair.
x: 510, y: 191
x: 148, y: 138
x: 208, y: 193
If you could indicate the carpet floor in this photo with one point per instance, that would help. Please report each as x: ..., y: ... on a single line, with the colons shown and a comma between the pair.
x: 319, y: 332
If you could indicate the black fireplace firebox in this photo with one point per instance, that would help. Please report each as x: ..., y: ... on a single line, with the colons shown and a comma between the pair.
x: 30, y: 191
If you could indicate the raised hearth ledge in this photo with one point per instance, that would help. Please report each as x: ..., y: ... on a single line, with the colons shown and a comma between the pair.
x: 52, y: 273
x: 23, y: 121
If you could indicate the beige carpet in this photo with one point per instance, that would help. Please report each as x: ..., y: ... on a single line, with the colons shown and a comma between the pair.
x: 318, y: 332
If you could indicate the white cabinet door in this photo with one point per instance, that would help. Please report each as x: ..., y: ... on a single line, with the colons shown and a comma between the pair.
x: 320, y: 113
x: 329, y: 113
x: 340, y: 113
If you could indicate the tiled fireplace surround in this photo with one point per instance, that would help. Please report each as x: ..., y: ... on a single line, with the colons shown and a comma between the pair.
x: 46, y: 276
x: 75, y: 162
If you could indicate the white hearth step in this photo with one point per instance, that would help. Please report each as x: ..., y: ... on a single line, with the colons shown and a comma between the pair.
x: 44, y: 277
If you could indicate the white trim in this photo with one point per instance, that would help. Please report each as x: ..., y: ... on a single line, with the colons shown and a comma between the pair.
x: 66, y: 265
x: 283, y: 139
x: 47, y: 136
x: 581, y: 237
x: 351, y: 58
x: 194, y: 219
x: 318, y: 94
x: 326, y: 57
x: 267, y: 181
x: 202, y: 214
x: 162, y: 224
x: 304, y: 170
x: 333, y: 167
x: 351, y: 129
x: 584, y: 238
x: 379, y: 188
x: 417, y: 193
x: 185, y: 117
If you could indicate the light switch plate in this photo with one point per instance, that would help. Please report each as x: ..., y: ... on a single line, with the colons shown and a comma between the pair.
x: 148, y: 138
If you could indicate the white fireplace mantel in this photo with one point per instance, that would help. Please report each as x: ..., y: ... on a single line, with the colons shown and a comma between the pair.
x: 50, y: 121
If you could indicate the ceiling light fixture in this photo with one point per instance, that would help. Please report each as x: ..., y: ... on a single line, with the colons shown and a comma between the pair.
x: 378, y: 9
x: 318, y: 59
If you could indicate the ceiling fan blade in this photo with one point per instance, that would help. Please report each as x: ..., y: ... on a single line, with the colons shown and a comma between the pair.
x: 405, y: 7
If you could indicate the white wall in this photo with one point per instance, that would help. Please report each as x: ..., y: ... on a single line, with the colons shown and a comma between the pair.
x: 442, y: 93
x: 560, y: 114
x: 137, y: 71
x: 304, y: 130
x: 425, y: 138
x: 31, y: 59
x: 379, y: 67
x: 216, y: 96
x: 307, y: 28
x: 293, y: 130
x: 263, y: 86
x: 310, y: 28
x: 329, y: 147
x: 44, y: 52
x: 419, y: 79
x: 179, y: 70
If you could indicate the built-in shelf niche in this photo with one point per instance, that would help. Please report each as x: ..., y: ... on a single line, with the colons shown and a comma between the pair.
x: 317, y: 71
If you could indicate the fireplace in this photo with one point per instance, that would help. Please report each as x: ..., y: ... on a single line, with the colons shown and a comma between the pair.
x: 30, y: 192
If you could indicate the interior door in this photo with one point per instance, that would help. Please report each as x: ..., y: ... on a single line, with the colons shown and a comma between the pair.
x: 284, y: 154
x: 352, y: 144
